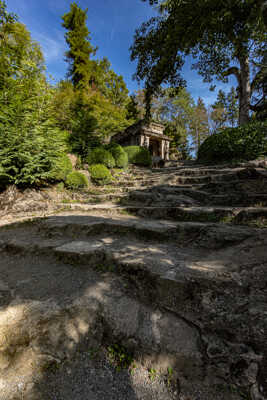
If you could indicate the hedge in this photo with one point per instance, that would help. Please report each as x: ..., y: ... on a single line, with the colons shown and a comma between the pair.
x: 246, y: 142
x: 76, y: 180
x: 119, y: 155
x: 138, y: 155
x: 99, y: 155
x: 100, y: 174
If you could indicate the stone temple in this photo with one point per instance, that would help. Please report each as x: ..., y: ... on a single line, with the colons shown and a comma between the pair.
x: 148, y: 135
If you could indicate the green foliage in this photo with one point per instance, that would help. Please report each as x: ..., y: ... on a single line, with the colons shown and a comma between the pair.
x: 4, y: 178
x: 62, y: 168
x: 79, y: 163
x: 100, y: 156
x: 199, y: 125
x: 221, y: 36
x: 81, y: 68
x: 152, y: 373
x: 224, y: 112
x: 30, y: 142
x: 76, y: 180
x: 119, y: 155
x: 138, y: 155
x: 93, y: 105
x: 120, y: 356
x: 100, y: 174
x: 88, y: 116
x: 243, y: 143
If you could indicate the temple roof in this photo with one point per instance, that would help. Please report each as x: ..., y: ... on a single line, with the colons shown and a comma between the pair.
x: 142, y: 128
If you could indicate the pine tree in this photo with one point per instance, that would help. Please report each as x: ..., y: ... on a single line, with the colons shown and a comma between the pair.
x: 81, y: 68
x: 232, y: 107
x: 218, y: 115
x: 199, y: 124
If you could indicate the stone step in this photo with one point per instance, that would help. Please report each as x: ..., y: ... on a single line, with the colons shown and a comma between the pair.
x: 200, y: 214
x: 86, y: 225
x: 68, y: 227
x: 242, y: 199
x: 199, y: 171
x: 167, y: 193
x: 180, y: 179
x: 74, y: 308
x: 182, y: 195
x: 206, y: 214
x: 173, y: 306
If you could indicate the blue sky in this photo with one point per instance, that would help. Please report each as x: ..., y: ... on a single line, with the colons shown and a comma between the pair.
x: 112, y: 24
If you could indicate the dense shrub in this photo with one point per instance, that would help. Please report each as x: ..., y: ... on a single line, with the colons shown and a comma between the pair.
x: 76, y: 180
x: 100, y: 156
x: 138, y: 155
x: 100, y: 174
x: 119, y: 155
x: 4, y: 178
x: 62, y: 168
x: 122, y: 160
x: 32, y: 157
x: 243, y: 143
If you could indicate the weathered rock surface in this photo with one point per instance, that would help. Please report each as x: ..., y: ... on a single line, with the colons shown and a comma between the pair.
x: 181, y: 285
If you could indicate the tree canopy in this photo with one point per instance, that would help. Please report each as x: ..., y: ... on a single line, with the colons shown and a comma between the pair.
x: 223, y: 36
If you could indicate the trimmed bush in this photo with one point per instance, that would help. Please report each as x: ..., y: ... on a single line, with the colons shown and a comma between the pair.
x: 122, y: 160
x: 138, y: 155
x: 62, y: 168
x: 246, y: 142
x: 100, y: 156
x: 76, y: 180
x: 100, y: 174
x: 119, y: 155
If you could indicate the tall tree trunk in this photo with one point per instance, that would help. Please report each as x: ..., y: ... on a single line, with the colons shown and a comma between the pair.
x: 244, y: 91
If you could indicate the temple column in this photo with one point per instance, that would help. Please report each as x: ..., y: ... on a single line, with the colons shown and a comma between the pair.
x: 167, y: 150
x: 142, y: 140
x: 146, y: 141
x: 162, y: 147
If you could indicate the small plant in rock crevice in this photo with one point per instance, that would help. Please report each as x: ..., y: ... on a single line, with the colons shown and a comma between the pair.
x: 169, y: 375
x: 120, y: 357
x: 152, y: 373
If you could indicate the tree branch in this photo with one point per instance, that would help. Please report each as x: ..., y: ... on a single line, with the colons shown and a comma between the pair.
x: 233, y: 71
x: 255, y: 80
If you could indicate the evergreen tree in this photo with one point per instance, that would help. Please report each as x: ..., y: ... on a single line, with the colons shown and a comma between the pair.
x: 132, y: 110
x: 81, y: 68
x: 199, y: 124
x: 232, y: 107
x: 218, y: 115
x: 30, y: 144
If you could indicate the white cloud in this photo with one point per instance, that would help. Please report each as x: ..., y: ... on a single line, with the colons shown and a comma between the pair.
x: 53, y: 48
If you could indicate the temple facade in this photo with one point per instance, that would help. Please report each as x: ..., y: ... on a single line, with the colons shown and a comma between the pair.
x: 146, y: 135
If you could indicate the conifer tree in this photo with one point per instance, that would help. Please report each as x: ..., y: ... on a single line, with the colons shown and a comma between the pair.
x: 81, y: 68
x: 199, y: 123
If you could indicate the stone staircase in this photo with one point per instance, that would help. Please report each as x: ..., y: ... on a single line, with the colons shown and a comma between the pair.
x: 170, y: 264
x: 236, y: 195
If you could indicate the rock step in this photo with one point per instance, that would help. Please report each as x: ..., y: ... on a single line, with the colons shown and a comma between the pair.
x: 200, y: 171
x: 89, y: 226
x: 173, y: 306
x: 180, y: 195
x: 202, y: 179
x: 67, y: 226
x: 41, y: 331
x: 170, y: 194
x: 238, y: 199
x: 146, y: 229
x: 178, y: 213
